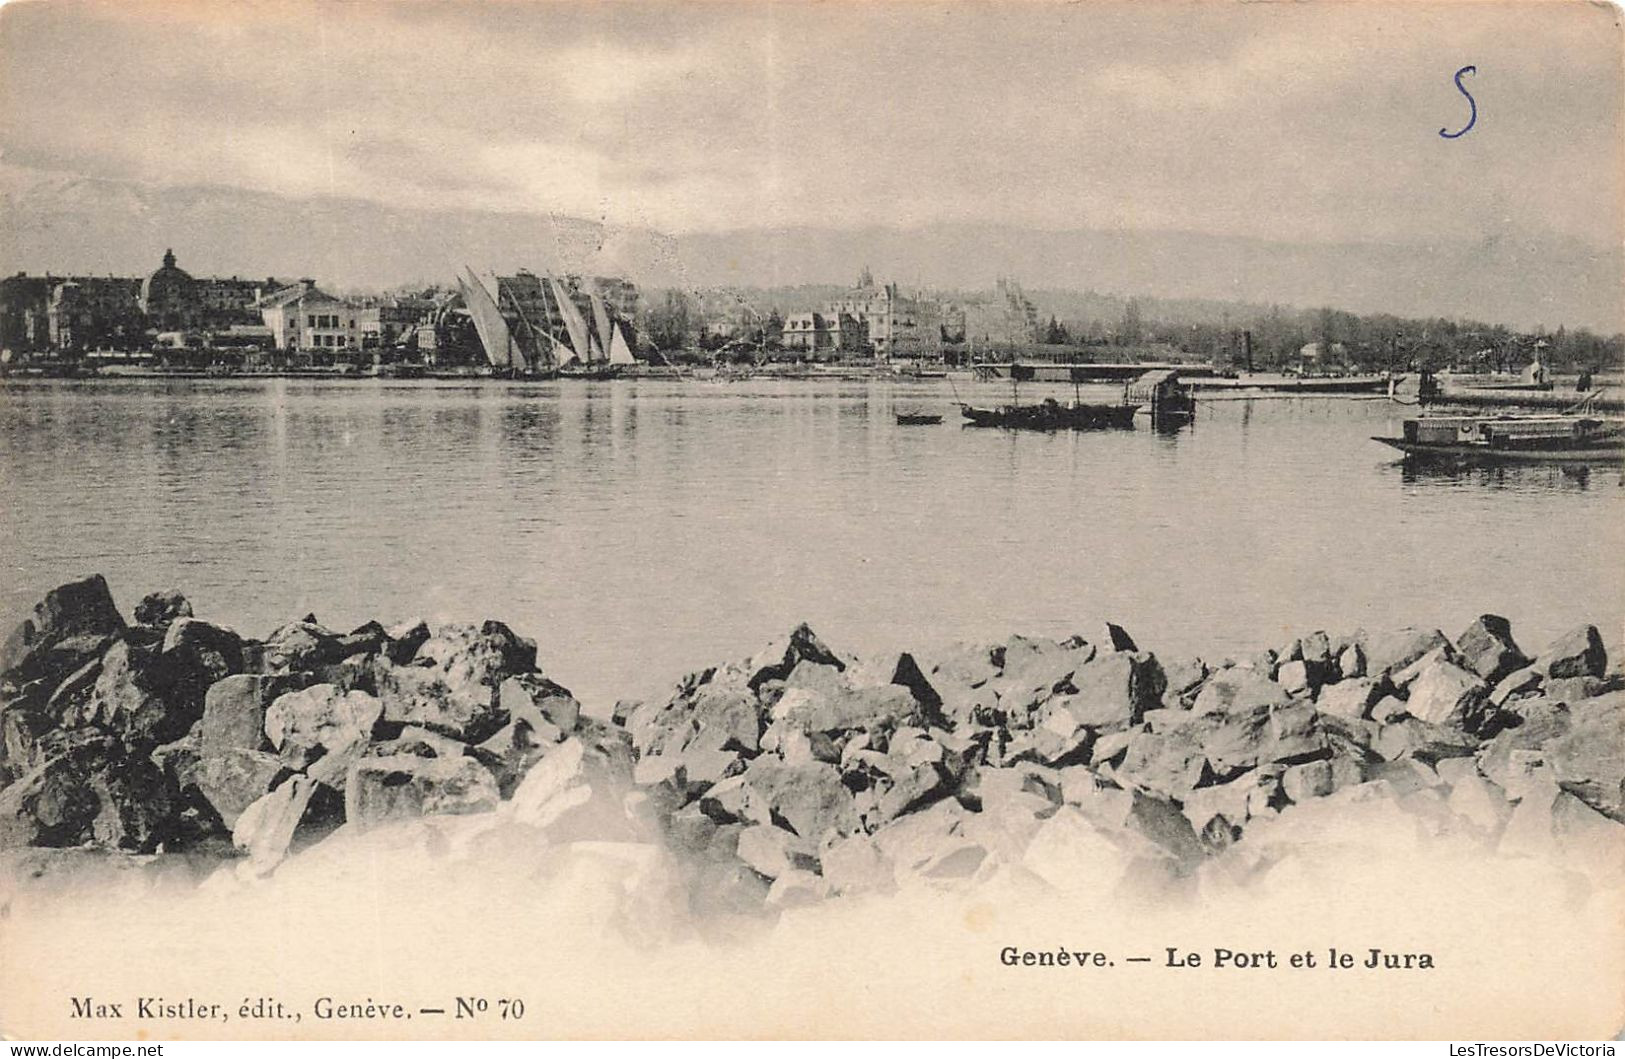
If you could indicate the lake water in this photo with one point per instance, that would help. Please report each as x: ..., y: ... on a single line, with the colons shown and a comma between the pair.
x: 639, y: 529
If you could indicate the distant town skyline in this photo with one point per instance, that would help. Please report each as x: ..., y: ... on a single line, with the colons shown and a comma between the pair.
x: 1304, y: 125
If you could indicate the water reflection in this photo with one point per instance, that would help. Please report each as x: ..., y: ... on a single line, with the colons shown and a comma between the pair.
x: 1521, y: 477
x: 638, y: 528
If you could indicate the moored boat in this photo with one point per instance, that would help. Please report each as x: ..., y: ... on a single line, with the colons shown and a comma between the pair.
x: 1052, y: 415
x: 918, y: 419
x: 1572, y: 438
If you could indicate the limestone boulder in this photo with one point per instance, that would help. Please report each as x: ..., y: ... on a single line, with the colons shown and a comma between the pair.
x: 1577, y: 653
x: 1446, y: 694
x: 404, y: 785
x: 91, y: 789
x: 1115, y: 690
x: 322, y: 716
x: 1486, y: 647
x: 235, y: 778
x: 160, y: 609
x: 1391, y: 652
x: 1589, y: 760
x: 78, y: 609
x: 1238, y: 689
x: 234, y: 709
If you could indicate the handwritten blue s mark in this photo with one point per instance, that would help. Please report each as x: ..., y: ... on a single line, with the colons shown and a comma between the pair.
x: 1473, y: 119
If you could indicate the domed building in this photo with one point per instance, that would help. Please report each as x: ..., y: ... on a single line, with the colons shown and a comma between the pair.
x: 168, y: 298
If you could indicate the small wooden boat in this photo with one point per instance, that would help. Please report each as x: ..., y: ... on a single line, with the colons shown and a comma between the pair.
x: 1551, y: 438
x: 1052, y: 415
x: 918, y: 419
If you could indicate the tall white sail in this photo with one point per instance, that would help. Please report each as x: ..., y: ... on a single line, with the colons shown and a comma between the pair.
x: 600, y: 316
x: 573, y: 322
x: 488, y: 321
x: 619, y: 351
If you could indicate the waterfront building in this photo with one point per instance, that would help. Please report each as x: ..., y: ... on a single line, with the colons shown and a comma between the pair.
x: 94, y: 312
x: 896, y: 325
x: 303, y: 317
x: 831, y: 334
x: 172, y: 300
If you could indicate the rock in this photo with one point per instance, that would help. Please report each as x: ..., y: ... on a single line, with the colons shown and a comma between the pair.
x: 1506, y: 759
x: 265, y: 828
x: 322, y: 716
x: 159, y: 609
x: 1577, y: 653
x: 1296, y: 678
x: 775, y: 852
x: 1115, y: 689
x: 1393, y: 651
x: 76, y: 609
x: 1312, y: 779
x: 1161, y: 823
x: 452, y: 683
x: 1389, y: 709
x: 1516, y: 683
x: 777, y: 660
x: 1352, y: 698
x: 404, y: 640
x: 1238, y: 689
x: 234, y: 711
x: 870, y: 709
x: 1589, y: 760
x: 808, y: 799
x: 1171, y: 763
x: 300, y: 645
x: 1116, y: 638
x: 531, y: 691
x: 1486, y: 647
x: 1034, y: 671
x: 1413, y: 738
x: 795, y: 889
x: 1445, y: 693
x: 234, y: 778
x: 403, y: 785
x: 1182, y: 675
x: 908, y: 674
x: 134, y: 697
x: 1351, y: 662
x: 1576, y: 689
x: 90, y: 791
x: 205, y: 653
x: 855, y: 865
x: 1293, y: 735
x: 1480, y: 803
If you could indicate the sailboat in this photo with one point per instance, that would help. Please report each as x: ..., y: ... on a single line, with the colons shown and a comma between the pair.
x: 583, y: 358
x: 501, y: 350
x: 620, y: 351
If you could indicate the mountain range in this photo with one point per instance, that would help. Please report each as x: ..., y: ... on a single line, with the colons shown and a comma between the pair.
x: 76, y: 225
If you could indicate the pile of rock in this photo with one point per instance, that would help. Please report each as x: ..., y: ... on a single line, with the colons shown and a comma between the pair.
x: 172, y: 733
x: 801, y: 772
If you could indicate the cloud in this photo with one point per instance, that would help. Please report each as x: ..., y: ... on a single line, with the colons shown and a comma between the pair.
x: 1291, y: 122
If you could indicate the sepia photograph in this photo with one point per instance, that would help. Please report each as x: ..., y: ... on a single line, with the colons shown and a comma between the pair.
x: 772, y: 519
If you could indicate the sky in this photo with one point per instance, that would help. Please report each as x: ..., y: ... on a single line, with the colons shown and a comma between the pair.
x: 1303, y: 122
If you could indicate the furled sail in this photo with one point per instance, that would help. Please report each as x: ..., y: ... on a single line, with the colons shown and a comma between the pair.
x: 619, y: 351
x: 573, y: 323
x: 488, y: 321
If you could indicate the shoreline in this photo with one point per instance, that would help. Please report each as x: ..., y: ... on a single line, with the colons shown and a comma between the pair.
x: 797, y: 774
